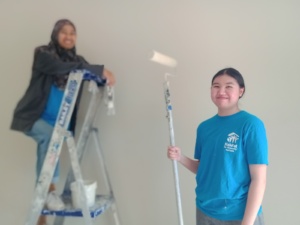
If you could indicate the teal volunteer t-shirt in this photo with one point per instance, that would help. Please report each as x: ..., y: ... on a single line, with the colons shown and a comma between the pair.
x: 226, y: 146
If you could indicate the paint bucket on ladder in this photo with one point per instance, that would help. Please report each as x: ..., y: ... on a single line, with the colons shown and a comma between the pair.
x: 90, y: 190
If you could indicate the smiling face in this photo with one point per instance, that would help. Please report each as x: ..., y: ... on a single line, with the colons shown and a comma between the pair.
x: 67, y: 37
x: 225, y: 94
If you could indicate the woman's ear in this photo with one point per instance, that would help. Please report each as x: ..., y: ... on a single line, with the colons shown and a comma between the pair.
x: 242, y: 91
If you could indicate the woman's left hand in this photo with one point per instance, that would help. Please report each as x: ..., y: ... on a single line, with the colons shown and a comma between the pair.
x: 109, y: 77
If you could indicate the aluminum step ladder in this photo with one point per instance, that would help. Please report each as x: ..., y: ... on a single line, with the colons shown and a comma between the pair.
x: 76, y: 152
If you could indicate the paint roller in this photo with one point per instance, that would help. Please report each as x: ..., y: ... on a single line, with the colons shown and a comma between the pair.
x: 170, y: 62
x: 163, y: 59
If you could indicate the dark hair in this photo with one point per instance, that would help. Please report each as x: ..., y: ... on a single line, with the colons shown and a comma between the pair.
x: 232, y: 73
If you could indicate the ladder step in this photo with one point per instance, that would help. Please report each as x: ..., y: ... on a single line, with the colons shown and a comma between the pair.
x: 102, y: 203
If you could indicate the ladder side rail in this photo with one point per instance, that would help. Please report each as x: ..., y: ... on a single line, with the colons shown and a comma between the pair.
x: 115, y: 213
x: 79, y: 180
x: 85, y: 131
x: 105, y: 173
x: 55, y: 145
x: 100, y: 155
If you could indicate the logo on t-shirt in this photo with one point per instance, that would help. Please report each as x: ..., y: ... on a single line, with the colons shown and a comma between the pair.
x: 231, y: 145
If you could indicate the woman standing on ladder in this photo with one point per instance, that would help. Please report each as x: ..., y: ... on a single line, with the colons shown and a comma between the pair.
x: 36, y: 112
x: 231, y: 158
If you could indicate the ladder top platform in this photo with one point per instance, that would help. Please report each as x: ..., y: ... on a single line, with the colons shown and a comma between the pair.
x: 102, y: 203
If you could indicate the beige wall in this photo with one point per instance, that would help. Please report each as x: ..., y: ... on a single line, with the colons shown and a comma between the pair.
x: 259, y: 38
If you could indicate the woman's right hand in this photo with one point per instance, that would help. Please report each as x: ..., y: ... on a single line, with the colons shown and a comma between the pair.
x: 174, y: 153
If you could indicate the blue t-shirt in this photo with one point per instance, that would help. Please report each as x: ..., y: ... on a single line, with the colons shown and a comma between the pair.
x: 225, y: 146
x: 52, y: 107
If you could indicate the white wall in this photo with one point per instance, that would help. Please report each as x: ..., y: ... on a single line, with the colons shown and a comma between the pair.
x: 259, y: 38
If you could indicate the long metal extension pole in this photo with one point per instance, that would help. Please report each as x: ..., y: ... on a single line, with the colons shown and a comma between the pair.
x: 172, y: 142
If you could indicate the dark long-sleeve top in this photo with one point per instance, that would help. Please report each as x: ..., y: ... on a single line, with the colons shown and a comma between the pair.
x: 45, y: 66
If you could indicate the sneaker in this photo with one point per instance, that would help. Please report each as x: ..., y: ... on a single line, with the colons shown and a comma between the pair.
x: 54, y: 202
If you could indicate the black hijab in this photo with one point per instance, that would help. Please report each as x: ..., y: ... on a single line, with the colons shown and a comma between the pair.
x: 65, y: 55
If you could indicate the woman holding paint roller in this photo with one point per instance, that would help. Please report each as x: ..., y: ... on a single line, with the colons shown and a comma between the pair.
x: 36, y: 112
x: 231, y: 158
